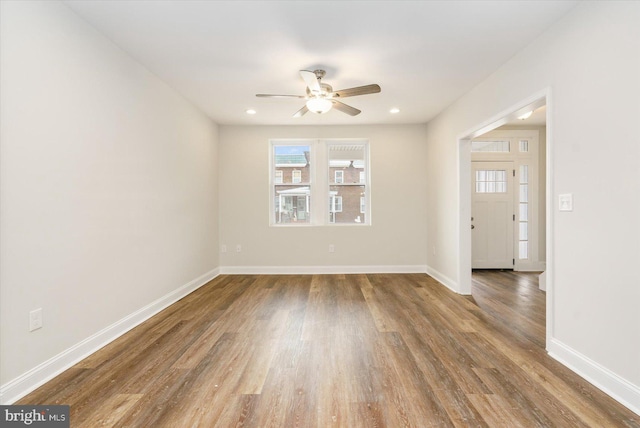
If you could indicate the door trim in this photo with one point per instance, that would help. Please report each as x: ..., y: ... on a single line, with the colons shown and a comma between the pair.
x: 543, y: 97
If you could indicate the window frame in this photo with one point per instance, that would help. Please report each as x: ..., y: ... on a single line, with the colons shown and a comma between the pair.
x: 319, y: 181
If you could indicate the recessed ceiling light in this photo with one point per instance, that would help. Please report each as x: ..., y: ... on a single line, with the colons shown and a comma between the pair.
x: 251, y: 111
x: 527, y: 115
x: 394, y: 110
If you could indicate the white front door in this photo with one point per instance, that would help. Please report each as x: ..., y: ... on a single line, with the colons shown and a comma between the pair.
x: 492, y: 216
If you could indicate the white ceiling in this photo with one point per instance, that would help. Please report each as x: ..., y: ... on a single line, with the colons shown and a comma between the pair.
x: 219, y: 54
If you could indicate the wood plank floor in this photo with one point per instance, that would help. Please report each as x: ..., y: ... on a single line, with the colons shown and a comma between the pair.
x: 337, y: 350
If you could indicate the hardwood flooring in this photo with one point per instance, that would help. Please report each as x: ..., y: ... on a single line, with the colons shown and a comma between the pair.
x: 337, y: 350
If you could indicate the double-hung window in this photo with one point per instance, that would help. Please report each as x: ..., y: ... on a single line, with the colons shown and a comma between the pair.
x: 347, y: 162
x: 304, y: 172
x: 291, y: 183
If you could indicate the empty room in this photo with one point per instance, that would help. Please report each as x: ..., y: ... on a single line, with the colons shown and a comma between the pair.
x: 319, y: 213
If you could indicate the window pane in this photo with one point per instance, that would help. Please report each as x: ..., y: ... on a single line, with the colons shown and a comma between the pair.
x: 524, y: 212
x: 490, y: 146
x: 524, y: 193
x: 347, y: 178
x: 292, y: 190
x: 524, y: 174
x: 523, y: 248
x: 491, y: 181
x: 524, y: 145
x: 524, y: 227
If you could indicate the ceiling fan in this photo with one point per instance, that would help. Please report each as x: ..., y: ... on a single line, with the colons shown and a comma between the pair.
x: 321, y: 97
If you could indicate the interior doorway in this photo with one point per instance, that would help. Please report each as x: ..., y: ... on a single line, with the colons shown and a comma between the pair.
x: 509, y: 117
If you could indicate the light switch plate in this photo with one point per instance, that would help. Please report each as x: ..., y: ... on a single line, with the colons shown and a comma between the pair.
x: 565, y: 202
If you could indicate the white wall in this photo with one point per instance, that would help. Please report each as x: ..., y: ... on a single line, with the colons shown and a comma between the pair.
x: 398, y: 193
x: 590, y: 62
x: 108, y: 185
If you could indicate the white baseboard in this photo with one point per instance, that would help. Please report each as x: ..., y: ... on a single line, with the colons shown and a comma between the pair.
x: 314, y: 270
x: 620, y: 389
x: 37, y: 376
x: 443, y: 279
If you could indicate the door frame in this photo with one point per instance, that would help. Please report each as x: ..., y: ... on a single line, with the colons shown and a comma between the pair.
x: 543, y: 97
x: 530, y: 157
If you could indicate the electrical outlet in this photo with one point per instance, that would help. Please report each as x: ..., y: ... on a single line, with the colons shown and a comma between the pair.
x: 223, y: 248
x: 332, y: 248
x: 35, y: 319
x: 238, y: 248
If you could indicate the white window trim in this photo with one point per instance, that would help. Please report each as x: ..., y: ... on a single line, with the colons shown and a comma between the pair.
x: 279, y: 178
x: 318, y: 181
x: 335, y: 177
x: 293, y: 176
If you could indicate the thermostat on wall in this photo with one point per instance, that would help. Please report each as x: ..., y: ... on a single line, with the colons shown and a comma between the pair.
x: 565, y: 202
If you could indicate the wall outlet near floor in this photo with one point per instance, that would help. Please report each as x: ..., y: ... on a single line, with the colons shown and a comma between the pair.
x: 332, y: 248
x: 238, y: 248
x: 35, y: 319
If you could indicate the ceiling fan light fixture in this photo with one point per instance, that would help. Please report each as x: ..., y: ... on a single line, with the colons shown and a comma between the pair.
x: 319, y: 105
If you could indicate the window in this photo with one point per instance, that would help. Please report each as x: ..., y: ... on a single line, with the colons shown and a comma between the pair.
x: 523, y: 217
x: 304, y: 170
x: 336, y: 204
x: 296, y: 176
x: 491, y: 181
x: 490, y: 146
x: 291, y: 198
x: 347, y: 164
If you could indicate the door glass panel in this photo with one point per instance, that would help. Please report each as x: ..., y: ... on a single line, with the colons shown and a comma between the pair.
x: 523, y: 213
x: 491, y: 181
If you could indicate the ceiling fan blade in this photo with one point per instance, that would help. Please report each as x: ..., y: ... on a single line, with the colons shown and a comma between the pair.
x: 279, y: 96
x: 351, y: 111
x: 360, y: 90
x: 311, y: 80
x: 301, y: 112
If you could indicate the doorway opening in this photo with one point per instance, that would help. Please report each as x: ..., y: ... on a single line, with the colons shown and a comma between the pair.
x: 505, y: 196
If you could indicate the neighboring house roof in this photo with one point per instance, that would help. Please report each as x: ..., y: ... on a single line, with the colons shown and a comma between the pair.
x: 297, y: 159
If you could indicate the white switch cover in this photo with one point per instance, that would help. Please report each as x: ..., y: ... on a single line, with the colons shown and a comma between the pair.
x: 565, y: 202
x: 35, y: 319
